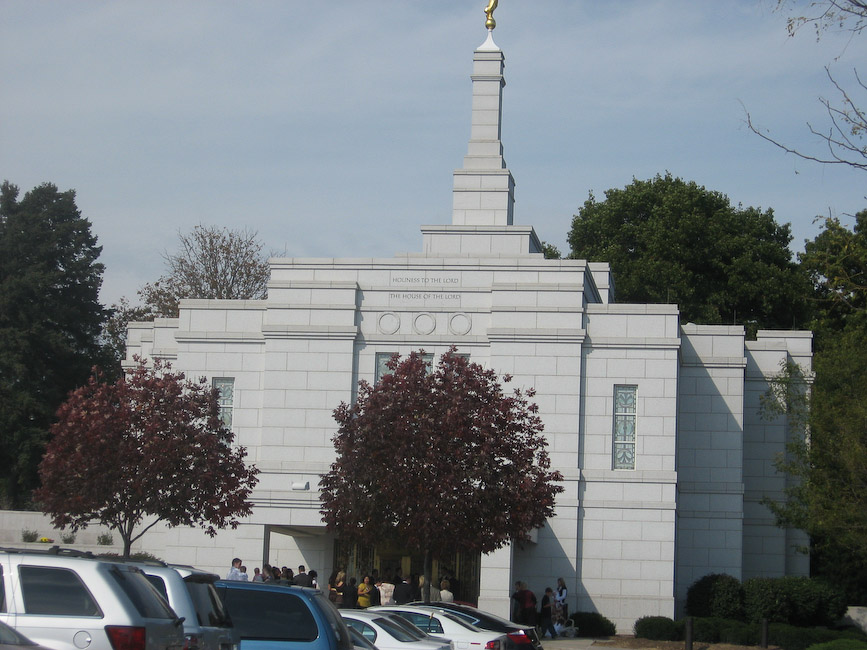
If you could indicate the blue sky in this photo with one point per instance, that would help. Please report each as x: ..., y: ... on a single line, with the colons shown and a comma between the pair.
x: 332, y: 128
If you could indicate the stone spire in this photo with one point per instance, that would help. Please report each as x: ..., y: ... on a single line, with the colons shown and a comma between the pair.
x: 484, y: 190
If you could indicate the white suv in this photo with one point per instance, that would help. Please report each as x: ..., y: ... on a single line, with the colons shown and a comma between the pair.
x: 69, y: 600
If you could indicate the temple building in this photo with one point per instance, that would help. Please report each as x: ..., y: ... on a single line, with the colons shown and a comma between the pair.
x: 653, y: 422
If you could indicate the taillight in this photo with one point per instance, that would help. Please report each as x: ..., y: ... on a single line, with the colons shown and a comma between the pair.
x: 492, y: 645
x: 123, y: 637
x: 192, y: 641
x: 520, y: 637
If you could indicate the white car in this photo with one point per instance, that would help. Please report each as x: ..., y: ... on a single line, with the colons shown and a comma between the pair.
x: 442, y: 624
x: 390, y: 632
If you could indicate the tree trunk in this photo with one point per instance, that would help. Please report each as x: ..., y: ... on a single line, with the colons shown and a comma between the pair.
x: 427, y: 571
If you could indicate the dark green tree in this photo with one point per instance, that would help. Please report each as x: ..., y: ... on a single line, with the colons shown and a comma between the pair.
x: 50, y: 322
x: 827, y: 461
x: 836, y: 262
x: 673, y: 241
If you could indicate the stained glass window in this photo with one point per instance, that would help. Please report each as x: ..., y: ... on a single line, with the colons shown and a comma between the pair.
x: 226, y: 388
x: 382, y: 358
x: 624, y: 427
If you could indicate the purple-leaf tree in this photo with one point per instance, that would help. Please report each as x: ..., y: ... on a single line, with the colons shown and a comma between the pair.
x: 148, y: 447
x: 440, y: 458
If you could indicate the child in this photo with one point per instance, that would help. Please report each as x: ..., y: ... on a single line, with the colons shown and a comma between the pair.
x: 546, y: 621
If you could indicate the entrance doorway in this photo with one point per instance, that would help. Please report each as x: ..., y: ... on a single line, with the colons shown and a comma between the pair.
x: 388, y: 560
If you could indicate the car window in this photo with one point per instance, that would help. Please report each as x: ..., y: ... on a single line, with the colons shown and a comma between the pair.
x: 144, y: 597
x: 56, y: 591
x: 159, y: 584
x: 366, y: 631
x: 2, y: 591
x: 424, y: 622
x: 206, y: 602
x: 395, y: 630
x: 455, y: 619
x: 411, y: 629
x: 270, y: 615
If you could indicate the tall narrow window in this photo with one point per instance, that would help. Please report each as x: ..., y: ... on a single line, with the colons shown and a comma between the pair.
x: 382, y: 358
x: 624, y: 427
x: 226, y: 388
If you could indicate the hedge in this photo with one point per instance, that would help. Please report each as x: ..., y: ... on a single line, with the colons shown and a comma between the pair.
x: 718, y: 595
x: 593, y: 624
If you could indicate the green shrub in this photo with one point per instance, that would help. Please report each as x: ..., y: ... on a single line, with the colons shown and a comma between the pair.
x: 139, y: 556
x: 740, y: 633
x: 28, y: 535
x: 840, y: 644
x: 791, y: 637
x: 716, y: 595
x: 105, y: 539
x: 710, y: 629
x: 593, y: 624
x: 814, y: 602
x: 657, y: 628
x: 67, y: 538
x: 794, y: 600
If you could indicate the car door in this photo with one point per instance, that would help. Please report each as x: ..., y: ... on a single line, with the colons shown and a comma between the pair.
x: 57, y: 609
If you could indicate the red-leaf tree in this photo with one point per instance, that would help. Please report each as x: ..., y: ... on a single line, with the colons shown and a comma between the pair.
x: 441, y: 459
x: 150, y: 445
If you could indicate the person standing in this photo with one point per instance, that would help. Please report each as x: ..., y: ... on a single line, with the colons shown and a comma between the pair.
x: 527, y: 599
x: 446, y: 596
x: 235, y: 571
x: 364, y: 590
x: 546, y: 615
x: 301, y: 578
x: 560, y: 599
x: 402, y: 593
x: 337, y: 589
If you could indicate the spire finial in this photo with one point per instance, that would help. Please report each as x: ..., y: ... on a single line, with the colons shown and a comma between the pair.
x: 490, y: 23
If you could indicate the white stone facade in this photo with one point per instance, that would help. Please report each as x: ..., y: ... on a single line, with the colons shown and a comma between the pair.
x: 628, y: 541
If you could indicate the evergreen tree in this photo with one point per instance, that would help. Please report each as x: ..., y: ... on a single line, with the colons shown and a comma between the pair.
x: 50, y: 321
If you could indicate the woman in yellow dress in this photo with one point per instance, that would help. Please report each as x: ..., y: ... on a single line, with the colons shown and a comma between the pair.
x: 364, y: 590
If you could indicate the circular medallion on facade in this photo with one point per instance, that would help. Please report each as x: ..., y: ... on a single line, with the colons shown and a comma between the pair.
x: 460, y: 324
x: 424, y: 323
x: 388, y: 323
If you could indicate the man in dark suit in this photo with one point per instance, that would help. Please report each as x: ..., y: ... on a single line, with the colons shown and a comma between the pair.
x: 402, y: 592
x: 301, y: 578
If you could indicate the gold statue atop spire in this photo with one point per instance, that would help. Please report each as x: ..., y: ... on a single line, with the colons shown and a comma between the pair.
x: 490, y: 23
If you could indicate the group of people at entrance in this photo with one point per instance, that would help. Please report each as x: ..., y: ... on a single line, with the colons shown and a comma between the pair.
x: 551, y: 613
x: 375, y: 590
x: 284, y: 576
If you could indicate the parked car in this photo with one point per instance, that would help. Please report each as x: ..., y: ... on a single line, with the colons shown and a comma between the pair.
x: 191, y: 593
x: 13, y: 640
x: 518, y: 637
x: 69, y: 600
x: 278, y: 617
x: 359, y: 641
x: 382, y: 629
x: 445, y: 625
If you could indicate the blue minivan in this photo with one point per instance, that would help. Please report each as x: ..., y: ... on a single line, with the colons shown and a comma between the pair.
x: 277, y: 617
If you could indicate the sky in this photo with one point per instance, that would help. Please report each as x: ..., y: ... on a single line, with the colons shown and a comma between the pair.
x: 332, y: 128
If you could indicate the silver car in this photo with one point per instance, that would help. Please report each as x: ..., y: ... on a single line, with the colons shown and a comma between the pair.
x: 191, y: 593
x: 69, y: 600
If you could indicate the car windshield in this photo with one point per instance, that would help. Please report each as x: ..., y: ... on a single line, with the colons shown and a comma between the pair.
x: 408, y: 626
x: 395, y: 630
x: 459, y: 621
